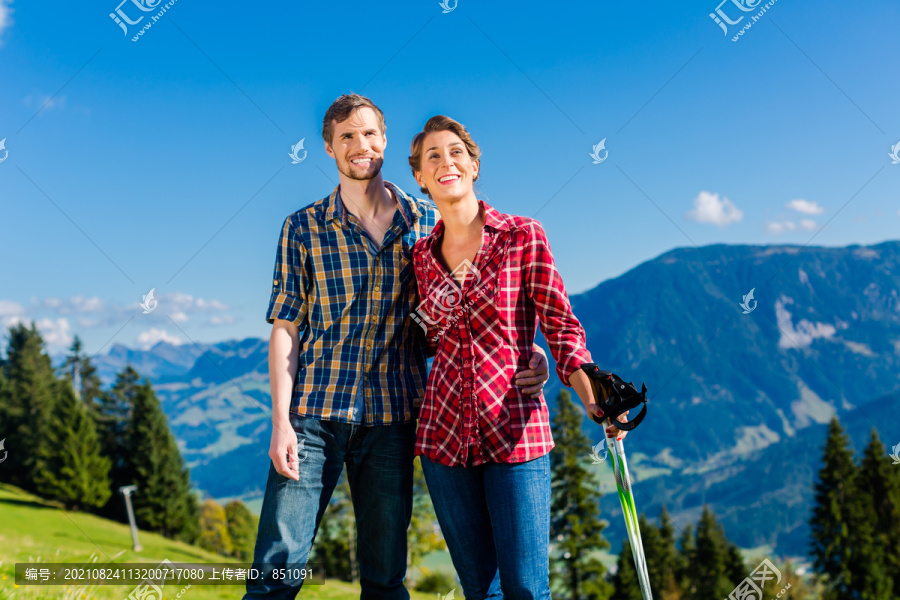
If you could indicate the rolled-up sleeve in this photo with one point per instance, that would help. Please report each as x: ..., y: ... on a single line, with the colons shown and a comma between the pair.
x: 290, y: 280
x: 544, y: 286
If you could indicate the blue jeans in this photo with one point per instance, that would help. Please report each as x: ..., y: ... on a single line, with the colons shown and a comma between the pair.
x: 379, y: 463
x: 496, y: 520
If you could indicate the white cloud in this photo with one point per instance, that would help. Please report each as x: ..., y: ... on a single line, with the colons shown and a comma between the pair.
x: 11, y: 313
x: 151, y: 337
x: 223, y: 320
x: 805, y: 206
x: 5, y: 12
x: 709, y: 208
x: 779, y: 227
x: 57, y: 334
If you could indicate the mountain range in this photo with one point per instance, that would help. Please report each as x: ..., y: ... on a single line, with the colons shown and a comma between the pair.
x: 747, y: 352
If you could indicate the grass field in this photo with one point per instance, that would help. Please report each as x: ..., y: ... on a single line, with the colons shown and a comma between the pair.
x: 31, y: 530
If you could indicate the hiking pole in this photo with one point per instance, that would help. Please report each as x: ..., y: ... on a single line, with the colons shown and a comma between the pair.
x: 615, y: 397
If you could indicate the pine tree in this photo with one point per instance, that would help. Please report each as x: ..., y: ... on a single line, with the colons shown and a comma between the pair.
x: 575, y: 525
x: 78, y: 369
x: 162, y: 502
x: 708, y: 569
x: 662, y: 557
x: 113, y: 414
x: 242, y: 526
x: 832, y: 516
x: 30, y: 391
x: 190, y: 526
x: 686, y: 552
x: 874, y: 514
x: 625, y: 583
x: 214, y: 535
x: 72, y: 469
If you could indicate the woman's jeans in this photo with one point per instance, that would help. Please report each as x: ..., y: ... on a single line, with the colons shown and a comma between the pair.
x: 379, y: 463
x: 496, y: 520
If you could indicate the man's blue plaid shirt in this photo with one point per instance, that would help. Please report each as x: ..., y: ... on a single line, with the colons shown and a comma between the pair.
x: 360, y: 351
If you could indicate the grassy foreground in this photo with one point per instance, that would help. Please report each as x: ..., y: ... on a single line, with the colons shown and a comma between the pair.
x: 33, y: 530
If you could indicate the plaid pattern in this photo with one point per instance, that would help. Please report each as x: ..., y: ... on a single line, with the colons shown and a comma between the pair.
x: 352, y: 306
x: 482, y: 334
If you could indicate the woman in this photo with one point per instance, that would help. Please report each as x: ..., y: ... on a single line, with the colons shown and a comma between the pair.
x: 484, y: 279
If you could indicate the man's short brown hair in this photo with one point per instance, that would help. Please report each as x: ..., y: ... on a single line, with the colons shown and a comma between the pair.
x: 441, y: 123
x: 341, y: 109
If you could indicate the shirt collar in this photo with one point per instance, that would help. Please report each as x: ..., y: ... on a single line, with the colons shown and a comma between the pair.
x: 493, y: 218
x: 408, y: 209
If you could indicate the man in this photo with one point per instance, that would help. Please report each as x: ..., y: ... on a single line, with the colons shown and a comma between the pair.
x: 347, y: 362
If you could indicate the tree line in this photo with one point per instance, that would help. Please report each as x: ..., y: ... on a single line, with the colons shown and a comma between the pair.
x: 72, y: 442
x: 854, y: 523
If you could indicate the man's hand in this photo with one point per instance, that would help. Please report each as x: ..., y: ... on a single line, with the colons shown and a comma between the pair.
x: 283, y: 451
x: 532, y: 379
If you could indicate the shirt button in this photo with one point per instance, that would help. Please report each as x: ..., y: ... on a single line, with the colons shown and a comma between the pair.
x: 466, y: 384
x: 377, y: 288
x: 276, y: 282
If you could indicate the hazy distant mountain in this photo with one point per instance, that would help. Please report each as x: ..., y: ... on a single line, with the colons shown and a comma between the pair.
x: 737, y: 400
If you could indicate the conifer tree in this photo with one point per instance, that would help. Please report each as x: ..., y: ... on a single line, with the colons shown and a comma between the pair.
x: 875, y: 524
x: 832, y: 515
x: 162, y: 502
x: 686, y: 551
x: 625, y: 583
x: 113, y: 414
x: 31, y: 395
x: 662, y: 556
x: 708, y: 568
x: 78, y: 369
x: 575, y: 525
x: 72, y: 469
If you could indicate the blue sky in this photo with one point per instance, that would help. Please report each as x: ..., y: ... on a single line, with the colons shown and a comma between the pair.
x: 163, y: 163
